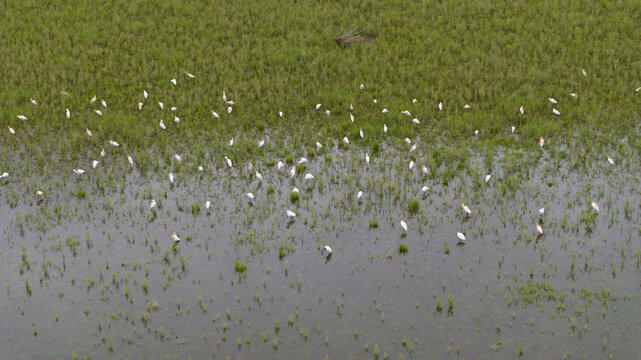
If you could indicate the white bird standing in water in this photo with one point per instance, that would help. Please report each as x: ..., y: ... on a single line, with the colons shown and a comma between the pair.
x: 327, y: 112
x: 291, y: 214
x: 406, y: 112
x: 113, y: 143
x: 513, y: 128
x: 367, y: 158
x: 361, y: 133
x: 416, y: 121
x: 215, y: 114
x: 176, y: 119
x: 425, y: 189
x: 309, y: 176
x: 487, y: 178
x: 250, y: 196
x: 228, y: 161
x: 130, y: 159
x: 175, y: 237
x: 261, y: 143
x: 346, y: 140
x: 152, y: 204
x: 611, y: 160
x: 351, y: 117
x: 161, y: 105
x: 259, y: 176
x: 411, y: 165
x: 200, y: 169
x: 595, y: 206
x: 385, y: 111
x: 539, y: 229
x: 359, y: 194
x: 424, y: 169
x: 319, y: 145
x: 440, y: 106
x: 302, y: 160
x: 466, y: 209
x: 207, y: 205
x: 404, y: 225
x: 88, y: 132
x: 229, y: 110
x: 542, y: 211
x: 94, y: 164
x: 177, y: 157
x: 292, y: 172
x: 78, y: 171
x: 4, y: 175
x: 171, y: 178
x: 280, y: 165
x: 461, y: 236
x: 328, y: 249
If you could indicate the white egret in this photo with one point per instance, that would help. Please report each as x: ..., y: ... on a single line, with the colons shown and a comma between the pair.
x: 231, y: 102
x: 552, y: 100
x: 250, y: 195
x: 302, y: 160
x: 102, y: 153
x: 176, y: 119
x: 328, y: 249
x: 375, y: 101
x: 207, y: 205
x: 140, y: 106
x: 404, y: 225
x: 161, y: 105
x: 177, y: 157
x: 384, y: 128
x: 346, y: 140
x: 416, y: 121
x: 367, y: 158
x: 487, y: 178
x: 68, y: 113
x: 539, y: 228
x: 152, y: 204
x: 414, y: 101
x: 406, y: 113
x: 228, y: 161
x: 424, y: 169
x: 224, y: 97
x: 351, y: 117
x: 461, y: 237
x: 556, y: 112
x: 189, y: 75
x: 259, y: 176
x: 98, y: 112
x: 362, y: 86
x: 171, y: 178
x: 425, y: 189
x: 4, y: 175
x: 407, y: 140
x: 541, y: 142
x: 175, y: 237
x: 162, y: 125
x: 261, y: 143
x: 361, y: 133
x: 385, y: 111
x: 466, y: 106
x: 39, y: 193
x: 173, y: 108
x: 130, y: 159
x: 359, y: 194
x: 295, y: 190
x: 22, y: 117
x: 144, y: 94
x: 231, y: 142
x: 542, y: 211
x: 229, y: 110
x: 351, y: 108
x: 173, y: 81
x: 215, y: 114
x: 522, y: 110
x: 583, y: 72
x: 113, y: 143
x: 280, y: 165
x: 327, y: 112
x: 611, y: 160
x: 637, y: 89
x: 413, y: 148
x: 292, y: 172
x: 466, y: 209
x: 93, y: 99
x: 11, y: 130
x: 595, y: 206
x: 411, y: 165
x: 200, y: 169
x: 88, y: 132
x: 574, y: 95
x: 280, y: 113
x: 104, y: 103
x: 319, y: 145
x: 440, y: 106
x: 309, y: 176
x: 78, y: 171
x: 291, y: 214
x: 513, y: 128
x: 94, y: 164
x: 318, y: 106
x: 33, y: 101
x: 476, y: 133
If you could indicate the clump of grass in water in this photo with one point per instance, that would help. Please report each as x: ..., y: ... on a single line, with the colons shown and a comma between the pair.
x: 412, y: 206
x: 402, y: 248
x: 294, y: 197
x: 240, y: 267
x: 373, y: 224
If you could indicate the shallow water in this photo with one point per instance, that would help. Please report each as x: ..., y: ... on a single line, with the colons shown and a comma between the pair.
x: 94, y: 303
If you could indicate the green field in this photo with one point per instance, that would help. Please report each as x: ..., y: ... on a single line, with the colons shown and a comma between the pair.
x: 272, y: 56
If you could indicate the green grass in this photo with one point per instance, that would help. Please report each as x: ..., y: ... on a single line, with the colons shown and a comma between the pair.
x: 493, y: 55
x: 402, y: 247
x: 240, y: 267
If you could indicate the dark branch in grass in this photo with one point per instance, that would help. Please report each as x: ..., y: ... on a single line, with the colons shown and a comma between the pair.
x: 351, y: 36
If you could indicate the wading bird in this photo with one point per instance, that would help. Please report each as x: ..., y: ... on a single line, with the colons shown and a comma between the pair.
x: 144, y: 94
x: 175, y: 237
x: 228, y: 161
x: 104, y: 103
x: 173, y: 81
x: 461, y: 237
x: 384, y: 128
x: 250, y: 196
x: 11, y: 130
x: 595, y: 206
x: 556, y: 112
x: 309, y: 176
x: 280, y: 165
x: 522, y: 110
x: 346, y: 140
x: 177, y: 157
x: 161, y: 105
x: 130, y: 159
x: 319, y: 145
x: 68, y: 113
x: 292, y: 172
x: 140, y: 106
x: 487, y: 178
x: 261, y: 143
x: 367, y: 158
x: 215, y: 114
x: 94, y: 164
x: 98, y: 112
x: 171, y: 178
x: 404, y: 225
x: 207, y: 205
x: 385, y: 111
x: 318, y: 106
x: 88, y: 132
x: 359, y: 194
x: 552, y: 100
x: 542, y: 211
x: 440, y: 106
x: 78, y: 172
x: 291, y: 214
x: 611, y: 160
x: 425, y: 189
x: 539, y: 229
x: 189, y: 75
x: 162, y: 125
x: 361, y: 133
x: 102, y: 153
x: 22, y: 117
x: 152, y: 204
x: 541, y: 141
x: 466, y: 209
x: 113, y: 143
x: 33, y: 101
x: 411, y: 165
x: 415, y: 121
x: 328, y: 249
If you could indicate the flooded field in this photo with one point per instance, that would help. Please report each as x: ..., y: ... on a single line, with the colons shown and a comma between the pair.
x: 90, y: 270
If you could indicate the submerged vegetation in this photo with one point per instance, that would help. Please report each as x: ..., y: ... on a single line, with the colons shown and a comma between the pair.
x: 214, y: 169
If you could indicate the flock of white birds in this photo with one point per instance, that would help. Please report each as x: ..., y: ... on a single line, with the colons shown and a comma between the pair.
x: 290, y: 214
